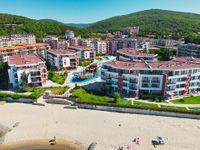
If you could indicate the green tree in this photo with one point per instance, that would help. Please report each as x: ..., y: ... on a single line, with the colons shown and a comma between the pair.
x: 116, y: 96
x: 3, y: 76
x: 24, y: 80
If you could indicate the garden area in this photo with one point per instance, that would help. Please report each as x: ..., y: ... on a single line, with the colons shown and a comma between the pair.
x: 35, y: 92
x: 57, y: 77
x: 188, y: 100
x: 84, y: 63
x: 99, y: 58
x: 87, y: 97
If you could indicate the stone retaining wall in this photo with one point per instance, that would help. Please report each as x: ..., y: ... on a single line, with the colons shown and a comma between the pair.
x: 138, y: 111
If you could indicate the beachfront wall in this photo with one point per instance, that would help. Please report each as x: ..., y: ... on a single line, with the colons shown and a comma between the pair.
x: 138, y: 111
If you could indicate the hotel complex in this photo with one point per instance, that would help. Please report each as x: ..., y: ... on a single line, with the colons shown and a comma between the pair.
x: 131, y: 54
x: 120, y: 43
x: 35, y: 48
x: 15, y: 39
x: 179, y: 77
x: 30, y: 65
x: 189, y: 50
x: 84, y: 52
x: 135, y: 72
x: 62, y: 59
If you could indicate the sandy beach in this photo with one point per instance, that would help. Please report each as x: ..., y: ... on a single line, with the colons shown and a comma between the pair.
x: 109, y: 130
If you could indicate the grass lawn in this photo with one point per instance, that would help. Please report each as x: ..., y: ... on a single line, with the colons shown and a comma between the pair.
x: 56, y: 77
x: 142, y: 104
x: 84, y: 96
x: 195, y: 108
x: 173, y: 108
x: 84, y: 63
x: 188, y: 100
x: 14, y: 96
x: 98, y: 58
x: 35, y: 92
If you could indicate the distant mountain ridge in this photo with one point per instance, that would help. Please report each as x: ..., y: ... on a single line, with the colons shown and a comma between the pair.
x: 79, y: 25
x: 163, y: 23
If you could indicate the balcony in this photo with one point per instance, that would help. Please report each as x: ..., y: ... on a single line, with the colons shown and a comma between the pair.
x: 35, y: 74
x: 133, y: 81
x: 155, y: 81
x: 145, y: 81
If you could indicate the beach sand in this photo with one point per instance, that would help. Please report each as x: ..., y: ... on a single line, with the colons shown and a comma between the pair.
x: 109, y: 130
x: 42, y: 144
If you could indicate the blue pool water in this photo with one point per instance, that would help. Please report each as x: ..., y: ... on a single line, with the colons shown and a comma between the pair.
x: 74, y: 78
x: 106, y: 58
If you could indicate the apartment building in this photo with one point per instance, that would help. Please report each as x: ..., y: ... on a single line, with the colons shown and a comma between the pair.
x: 120, y: 43
x: 136, y: 55
x: 168, y: 79
x: 56, y: 43
x: 75, y: 41
x: 100, y: 46
x: 62, y: 59
x: 29, y: 65
x: 69, y: 34
x: 36, y: 48
x: 188, y: 50
x: 131, y: 31
x: 15, y: 39
x: 84, y: 52
x: 165, y: 42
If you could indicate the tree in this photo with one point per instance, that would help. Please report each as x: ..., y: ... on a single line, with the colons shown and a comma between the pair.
x: 24, y: 79
x: 3, y: 76
x: 116, y: 96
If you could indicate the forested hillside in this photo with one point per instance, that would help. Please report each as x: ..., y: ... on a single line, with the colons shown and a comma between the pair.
x: 12, y: 24
x: 162, y: 23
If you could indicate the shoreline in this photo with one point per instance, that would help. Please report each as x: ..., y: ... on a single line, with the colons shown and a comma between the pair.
x: 61, y: 144
x: 3, y: 131
x: 108, y: 129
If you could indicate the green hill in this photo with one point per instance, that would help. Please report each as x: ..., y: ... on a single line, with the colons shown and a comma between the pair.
x: 12, y: 24
x: 162, y: 23
x: 79, y: 25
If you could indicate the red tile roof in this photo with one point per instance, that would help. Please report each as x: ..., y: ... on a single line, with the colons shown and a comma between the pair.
x: 24, y: 59
x: 23, y: 46
x: 135, y: 52
x: 169, y: 65
x: 61, y: 52
x: 173, y: 65
x: 187, y: 59
x: 85, y: 48
x: 126, y: 65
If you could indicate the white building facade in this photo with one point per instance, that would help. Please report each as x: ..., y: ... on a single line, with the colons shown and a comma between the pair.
x: 30, y: 65
x: 62, y: 59
x: 144, y: 80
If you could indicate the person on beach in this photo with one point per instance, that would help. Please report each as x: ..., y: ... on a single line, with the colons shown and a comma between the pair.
x: 128, y: 147
x: 138, y: 141
x: 53, y: 141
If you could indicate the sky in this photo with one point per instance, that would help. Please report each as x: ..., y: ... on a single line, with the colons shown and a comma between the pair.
x: 89, y: 11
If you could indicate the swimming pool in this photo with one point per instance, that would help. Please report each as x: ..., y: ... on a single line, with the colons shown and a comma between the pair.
x: 74, y: 78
